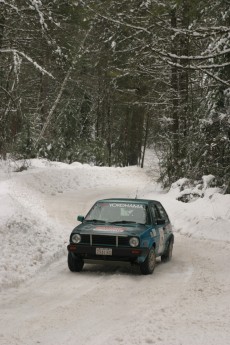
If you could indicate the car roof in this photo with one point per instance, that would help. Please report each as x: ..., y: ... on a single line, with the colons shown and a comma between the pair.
x: 126, y: 200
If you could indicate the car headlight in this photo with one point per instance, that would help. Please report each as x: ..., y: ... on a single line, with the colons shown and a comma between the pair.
x: 134, y: 242
x: 76, y: 238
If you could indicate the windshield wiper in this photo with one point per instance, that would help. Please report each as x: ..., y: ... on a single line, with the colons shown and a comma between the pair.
x: 96, y: 221
x: 124, y: 222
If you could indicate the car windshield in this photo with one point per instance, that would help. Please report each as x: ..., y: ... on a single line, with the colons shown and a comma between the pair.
x: 117, y: 212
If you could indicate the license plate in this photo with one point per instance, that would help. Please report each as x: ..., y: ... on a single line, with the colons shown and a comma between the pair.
x: 104, y: 251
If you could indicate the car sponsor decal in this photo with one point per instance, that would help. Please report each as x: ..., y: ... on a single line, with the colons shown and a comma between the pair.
x: 109, y: 229
x: 153, y: 233
x: 126, y: 205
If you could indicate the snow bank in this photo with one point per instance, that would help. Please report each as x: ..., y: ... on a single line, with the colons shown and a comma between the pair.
x: 206, y: 216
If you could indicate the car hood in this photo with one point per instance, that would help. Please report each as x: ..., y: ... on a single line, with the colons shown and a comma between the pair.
x: 111, y: 229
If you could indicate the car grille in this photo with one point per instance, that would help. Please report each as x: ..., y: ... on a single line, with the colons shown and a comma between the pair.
x: 104, y: 240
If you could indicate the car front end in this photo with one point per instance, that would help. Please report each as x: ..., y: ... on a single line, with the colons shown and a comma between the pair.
x: 108, y: 243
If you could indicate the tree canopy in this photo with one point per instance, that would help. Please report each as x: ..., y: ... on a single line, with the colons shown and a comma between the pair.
x: 98, y: 82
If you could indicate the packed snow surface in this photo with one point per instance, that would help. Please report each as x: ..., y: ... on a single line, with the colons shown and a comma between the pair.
x: 184, y: 302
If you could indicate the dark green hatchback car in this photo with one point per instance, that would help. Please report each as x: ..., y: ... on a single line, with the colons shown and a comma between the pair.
x: 129, y: 230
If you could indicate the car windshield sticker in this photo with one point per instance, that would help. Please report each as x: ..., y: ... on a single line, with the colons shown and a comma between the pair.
x: 126, y: 205
x: 109, y: 229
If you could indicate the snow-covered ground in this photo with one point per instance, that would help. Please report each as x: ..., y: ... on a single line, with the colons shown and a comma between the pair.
x: 183, y: 302
x: 38, y: 210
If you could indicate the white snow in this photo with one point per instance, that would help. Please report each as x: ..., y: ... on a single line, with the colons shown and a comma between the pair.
x: 29, y: 231
x: 113, y: 44
x: 183, y: 302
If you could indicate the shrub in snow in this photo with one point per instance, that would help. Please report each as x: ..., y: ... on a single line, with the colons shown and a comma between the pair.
x: 186, y: 190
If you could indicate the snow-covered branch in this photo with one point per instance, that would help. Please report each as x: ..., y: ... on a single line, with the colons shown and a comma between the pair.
x: 194, y: 67
x: 215, y: 54
x: 214, y: 77
x: 36, y: 4
x: 201, y: 32
x: 192, y: 57
x: 34, y: 63
x: 8, y: 4
x: 203, y: 69
x: 119, y: 22
x: 62, y: 88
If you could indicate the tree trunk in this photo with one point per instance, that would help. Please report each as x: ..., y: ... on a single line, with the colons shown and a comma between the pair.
x: 175, y: 93
x: 145, y: 140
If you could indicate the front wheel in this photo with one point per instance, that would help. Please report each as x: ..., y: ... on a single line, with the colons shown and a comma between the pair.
x: 167, y: 256
x: 75, y: 263
x: 148, y: 266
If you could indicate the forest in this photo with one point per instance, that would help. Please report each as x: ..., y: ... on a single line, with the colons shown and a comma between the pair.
x: 98, y: 82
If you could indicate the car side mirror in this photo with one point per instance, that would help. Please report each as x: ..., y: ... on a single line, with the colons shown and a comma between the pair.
x: 80, y: 218
x: 160, y: 221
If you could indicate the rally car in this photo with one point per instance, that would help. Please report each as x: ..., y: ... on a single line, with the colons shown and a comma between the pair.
x: 130, y: 230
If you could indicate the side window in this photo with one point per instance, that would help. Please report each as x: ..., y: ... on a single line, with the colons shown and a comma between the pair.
x: 163, y: 214
x: 154, y: 212
x: 148, y: 216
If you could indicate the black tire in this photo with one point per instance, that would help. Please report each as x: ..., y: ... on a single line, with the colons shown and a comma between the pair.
x: 167, y: 256
x: 75, y: 263
x: 148, y: 266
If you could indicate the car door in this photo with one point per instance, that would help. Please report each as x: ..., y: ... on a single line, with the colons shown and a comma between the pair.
x: 159, y: 221
x: 167, y: 227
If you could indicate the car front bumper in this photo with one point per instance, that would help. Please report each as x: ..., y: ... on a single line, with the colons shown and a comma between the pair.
x: 137, y: 255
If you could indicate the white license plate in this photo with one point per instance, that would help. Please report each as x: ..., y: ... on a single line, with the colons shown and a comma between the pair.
x: 104, y: 251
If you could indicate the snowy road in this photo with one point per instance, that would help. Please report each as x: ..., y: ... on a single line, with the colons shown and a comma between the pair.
x: 184, y: 302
